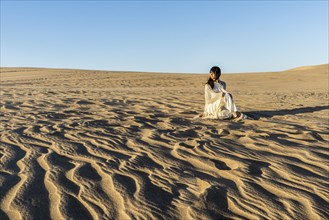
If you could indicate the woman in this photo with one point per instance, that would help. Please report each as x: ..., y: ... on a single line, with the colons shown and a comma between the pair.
x: 219, y: 103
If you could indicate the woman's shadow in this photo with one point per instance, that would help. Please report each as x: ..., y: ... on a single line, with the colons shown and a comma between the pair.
x: 268, y: 114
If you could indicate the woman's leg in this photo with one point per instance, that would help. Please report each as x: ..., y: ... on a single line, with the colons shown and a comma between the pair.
x: 223, y: 107
x: 229, y: 103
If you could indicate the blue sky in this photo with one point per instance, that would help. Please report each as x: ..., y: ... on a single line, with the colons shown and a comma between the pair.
x: 164, y: 36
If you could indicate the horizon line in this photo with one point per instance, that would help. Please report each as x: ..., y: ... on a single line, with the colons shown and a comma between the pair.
x: 137, y: 71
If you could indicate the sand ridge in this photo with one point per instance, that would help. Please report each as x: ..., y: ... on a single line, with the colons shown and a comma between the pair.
x: 86, y: 144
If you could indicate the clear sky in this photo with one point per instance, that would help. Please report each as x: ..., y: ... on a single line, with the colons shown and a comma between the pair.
x: 164, y: 36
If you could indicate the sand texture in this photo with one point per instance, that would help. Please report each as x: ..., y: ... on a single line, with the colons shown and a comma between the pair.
x: 83, y: 144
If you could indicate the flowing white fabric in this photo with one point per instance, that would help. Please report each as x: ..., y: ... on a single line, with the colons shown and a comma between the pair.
x: 219, y: 103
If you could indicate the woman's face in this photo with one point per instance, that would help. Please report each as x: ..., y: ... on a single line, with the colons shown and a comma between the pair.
x: 212, y: 75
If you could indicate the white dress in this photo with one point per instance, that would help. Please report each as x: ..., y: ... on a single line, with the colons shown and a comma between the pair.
x: 216, y: 106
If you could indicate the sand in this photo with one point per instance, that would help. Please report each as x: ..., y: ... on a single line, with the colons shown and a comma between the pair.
x: 84, y: 144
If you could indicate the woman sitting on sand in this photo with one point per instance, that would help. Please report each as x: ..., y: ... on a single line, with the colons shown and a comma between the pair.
x: 219, y: 103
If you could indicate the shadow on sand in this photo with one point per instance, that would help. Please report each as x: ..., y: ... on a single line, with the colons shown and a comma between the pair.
x: 268, y: 114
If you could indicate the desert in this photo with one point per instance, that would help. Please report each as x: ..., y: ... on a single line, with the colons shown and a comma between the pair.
x: 92, y: 144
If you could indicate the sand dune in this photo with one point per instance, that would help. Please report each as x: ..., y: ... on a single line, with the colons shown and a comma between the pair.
x: 83, y: 144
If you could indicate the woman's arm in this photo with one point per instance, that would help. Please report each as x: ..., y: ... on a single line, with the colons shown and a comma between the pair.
x: 223, y: 84
x: 209, y: 92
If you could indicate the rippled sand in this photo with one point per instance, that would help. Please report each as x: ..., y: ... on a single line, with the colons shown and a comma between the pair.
x: 82, y: 144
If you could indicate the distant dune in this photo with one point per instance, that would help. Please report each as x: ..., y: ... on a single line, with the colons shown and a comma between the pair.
x: 316, y: 68
x: 84, y: 144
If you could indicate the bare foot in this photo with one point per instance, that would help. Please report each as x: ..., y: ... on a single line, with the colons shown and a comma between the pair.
x: 237, y: 115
